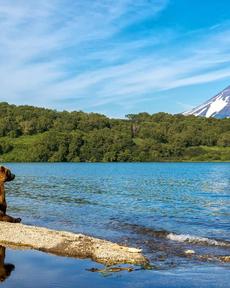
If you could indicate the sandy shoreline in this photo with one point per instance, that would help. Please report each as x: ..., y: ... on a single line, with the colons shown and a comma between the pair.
x: 68, y: 244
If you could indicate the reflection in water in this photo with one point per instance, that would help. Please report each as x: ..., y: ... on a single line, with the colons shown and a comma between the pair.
x: 167, y: 209
x: 5, y: 268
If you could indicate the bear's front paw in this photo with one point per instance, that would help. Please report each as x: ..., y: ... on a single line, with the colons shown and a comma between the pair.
x: 17, y: 220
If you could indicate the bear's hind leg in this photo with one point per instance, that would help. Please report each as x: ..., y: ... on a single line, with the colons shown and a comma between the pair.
x: 7, y: 218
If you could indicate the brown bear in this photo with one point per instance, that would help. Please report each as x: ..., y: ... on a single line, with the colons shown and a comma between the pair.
x: 5, y: 176
x: 5, y: 269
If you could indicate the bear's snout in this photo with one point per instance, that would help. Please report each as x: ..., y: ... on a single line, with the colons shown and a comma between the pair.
x: 10, y: 177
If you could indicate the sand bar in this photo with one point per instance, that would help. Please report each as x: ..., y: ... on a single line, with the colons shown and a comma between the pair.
x: 68, y: 244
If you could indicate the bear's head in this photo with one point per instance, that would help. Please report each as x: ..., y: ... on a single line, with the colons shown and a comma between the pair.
x: 6, y: 175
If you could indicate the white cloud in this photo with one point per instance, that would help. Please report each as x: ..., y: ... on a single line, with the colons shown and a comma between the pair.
x: 36, y: 35
x: 55, y: 51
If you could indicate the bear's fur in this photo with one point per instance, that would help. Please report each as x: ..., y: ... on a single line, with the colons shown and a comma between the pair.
x: 5, y: 176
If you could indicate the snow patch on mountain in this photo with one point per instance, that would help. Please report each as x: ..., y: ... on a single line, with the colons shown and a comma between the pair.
x: 218, y: 106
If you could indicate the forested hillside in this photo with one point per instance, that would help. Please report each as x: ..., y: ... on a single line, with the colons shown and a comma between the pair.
x: 36, y: 134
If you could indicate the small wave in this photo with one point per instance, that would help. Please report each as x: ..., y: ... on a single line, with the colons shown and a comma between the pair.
x: 168, y: 235
x: 196, y: 240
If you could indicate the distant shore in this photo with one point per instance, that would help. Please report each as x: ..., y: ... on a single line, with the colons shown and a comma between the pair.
x: 42, y: 135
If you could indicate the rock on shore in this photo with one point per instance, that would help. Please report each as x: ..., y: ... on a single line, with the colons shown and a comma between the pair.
x: 68, y: 244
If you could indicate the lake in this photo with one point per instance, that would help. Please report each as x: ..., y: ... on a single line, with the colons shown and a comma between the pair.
x: 164, y: 208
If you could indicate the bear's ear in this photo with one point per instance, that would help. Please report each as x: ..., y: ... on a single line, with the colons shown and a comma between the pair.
x: 2, y: 173
x: 2, y: 169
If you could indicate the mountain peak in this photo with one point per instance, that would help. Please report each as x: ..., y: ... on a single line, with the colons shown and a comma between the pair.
x: 218, y: 106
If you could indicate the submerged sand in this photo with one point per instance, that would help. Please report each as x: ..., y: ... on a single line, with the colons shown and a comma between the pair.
x: 68, y: 244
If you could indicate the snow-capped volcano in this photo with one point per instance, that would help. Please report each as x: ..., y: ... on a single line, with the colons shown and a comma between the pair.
x: 218, y: 106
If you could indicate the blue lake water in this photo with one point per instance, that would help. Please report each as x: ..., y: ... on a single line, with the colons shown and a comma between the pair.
x: 164, y: 208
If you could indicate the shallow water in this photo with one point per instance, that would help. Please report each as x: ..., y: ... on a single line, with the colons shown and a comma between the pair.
x: 164, y: 208
x: 36, y: 269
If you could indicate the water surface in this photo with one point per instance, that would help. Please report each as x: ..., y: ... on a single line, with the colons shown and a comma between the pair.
x: 164, y: 208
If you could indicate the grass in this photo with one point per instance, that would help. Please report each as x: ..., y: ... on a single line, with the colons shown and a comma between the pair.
x: 214, y: 153
x: 21, y: 147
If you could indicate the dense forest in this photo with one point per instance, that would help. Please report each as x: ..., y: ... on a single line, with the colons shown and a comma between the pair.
x: 36, y: 134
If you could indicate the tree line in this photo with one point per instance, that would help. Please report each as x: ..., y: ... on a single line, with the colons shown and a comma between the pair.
x: 33, y: 134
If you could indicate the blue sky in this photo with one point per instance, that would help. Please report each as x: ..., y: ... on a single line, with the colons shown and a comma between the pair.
x: 114, y: 57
